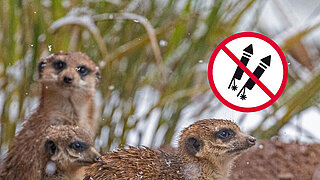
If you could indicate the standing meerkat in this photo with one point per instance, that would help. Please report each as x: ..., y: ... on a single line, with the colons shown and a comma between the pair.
x: 68, y: 82
x: 206, y: 150
x: 63, y: 150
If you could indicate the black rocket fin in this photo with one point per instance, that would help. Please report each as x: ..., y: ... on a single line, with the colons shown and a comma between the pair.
x: 266, y: 60
x: 249, y: 49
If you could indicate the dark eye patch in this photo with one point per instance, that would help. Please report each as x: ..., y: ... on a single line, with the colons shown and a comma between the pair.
x: 83, y: 70
x: 50, y: 147
x: 59, y: 65
x: 78, y: 146
x: 224, y: 134
x: 193, y: 145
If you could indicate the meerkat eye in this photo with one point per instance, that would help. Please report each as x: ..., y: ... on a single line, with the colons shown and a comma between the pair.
x: 83, y: 70
x: 78, y: 146
x: 225, y: 134
x: 59, y: 65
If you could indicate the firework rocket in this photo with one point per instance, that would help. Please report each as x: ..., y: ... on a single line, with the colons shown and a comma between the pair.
x: 263, y: 65
x: 247, y: 53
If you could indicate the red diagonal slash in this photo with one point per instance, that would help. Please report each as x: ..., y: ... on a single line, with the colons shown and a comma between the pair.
x: 247, y: 71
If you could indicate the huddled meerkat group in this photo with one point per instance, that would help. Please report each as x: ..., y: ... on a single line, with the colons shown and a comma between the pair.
x: 68, y: 83
x: 56, y: 142
x: 206, y: 150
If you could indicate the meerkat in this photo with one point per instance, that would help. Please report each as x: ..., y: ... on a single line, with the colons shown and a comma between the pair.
x: 206, y: 150
x: 68, y: 82
x: 61, y: 153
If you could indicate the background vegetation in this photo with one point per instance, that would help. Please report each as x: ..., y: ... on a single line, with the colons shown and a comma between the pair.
x: 153, y: 55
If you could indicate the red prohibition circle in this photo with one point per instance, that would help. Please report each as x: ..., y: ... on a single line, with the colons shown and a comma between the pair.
x: 284, y: 78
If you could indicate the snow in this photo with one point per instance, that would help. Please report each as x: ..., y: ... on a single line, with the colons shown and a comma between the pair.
x: 191, y: 171
x: 260, y: 146
x: 51, y: 168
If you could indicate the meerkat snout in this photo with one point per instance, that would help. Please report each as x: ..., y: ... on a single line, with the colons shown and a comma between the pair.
x: 252, y: 141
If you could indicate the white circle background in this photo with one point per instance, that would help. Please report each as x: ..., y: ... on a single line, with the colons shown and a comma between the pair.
x: 224, y: 68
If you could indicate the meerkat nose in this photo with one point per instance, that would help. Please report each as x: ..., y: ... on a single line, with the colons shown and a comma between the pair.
x: 67, y: 79
x: 95, y: 156
x: 98, y: 159
x: 251, y: 140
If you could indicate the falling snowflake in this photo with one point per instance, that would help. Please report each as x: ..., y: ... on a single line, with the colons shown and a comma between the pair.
x: 234, y: 87
x: 243, y: 97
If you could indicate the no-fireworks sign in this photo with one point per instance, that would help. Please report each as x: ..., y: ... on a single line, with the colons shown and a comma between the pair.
x: 248, y: 72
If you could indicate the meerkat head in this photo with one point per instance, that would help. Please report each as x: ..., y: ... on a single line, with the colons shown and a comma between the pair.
x: 214, y: 140
x: 68, y: 148
x: 69, y: 71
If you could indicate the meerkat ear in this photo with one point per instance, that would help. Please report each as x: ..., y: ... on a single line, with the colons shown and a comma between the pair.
x: 193, y: 145
x: 41, y: 66
x: 50, y: 148
x: 98, y: 77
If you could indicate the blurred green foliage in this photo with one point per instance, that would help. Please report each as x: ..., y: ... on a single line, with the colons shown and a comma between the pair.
x: 160, y: 45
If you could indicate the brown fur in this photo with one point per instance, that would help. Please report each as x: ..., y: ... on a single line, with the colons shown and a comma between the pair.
x: 75, y: 100
x: 67, y: 161
x: 207, y: 158
x: 60, y: 104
